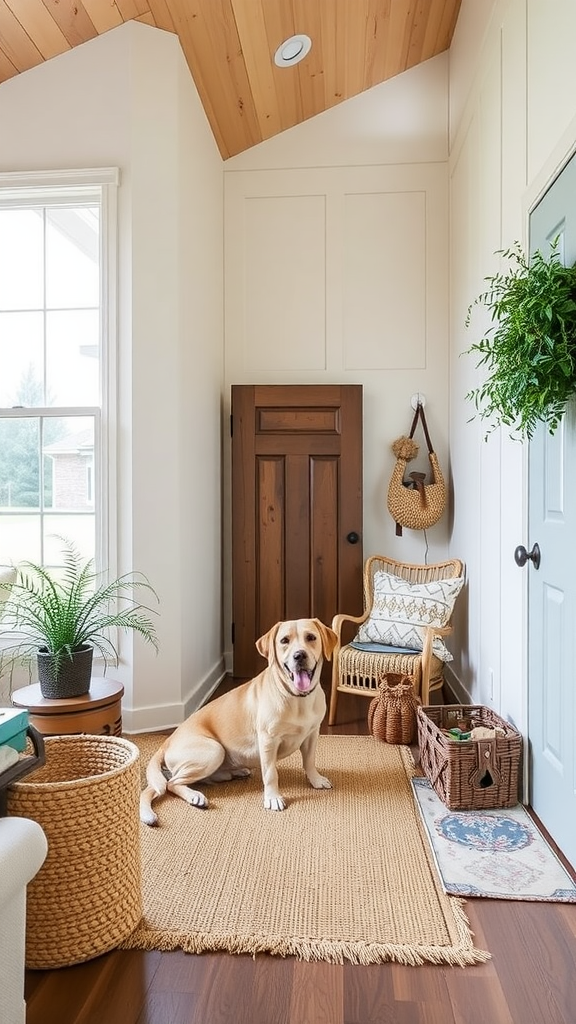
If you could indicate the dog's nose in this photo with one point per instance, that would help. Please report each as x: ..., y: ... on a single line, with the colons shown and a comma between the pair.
x: 299, y: 656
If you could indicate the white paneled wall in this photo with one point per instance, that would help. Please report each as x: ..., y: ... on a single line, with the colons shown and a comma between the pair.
x: 513, y: 122
x: 338, y: 270
x: 340, y: 274
x: 284, y: 321
x: 384, y: 241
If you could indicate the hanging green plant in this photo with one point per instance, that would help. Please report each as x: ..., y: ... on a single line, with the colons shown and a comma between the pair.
x: 530, y: 349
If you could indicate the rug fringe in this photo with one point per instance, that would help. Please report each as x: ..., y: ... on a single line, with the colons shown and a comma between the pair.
x: 465, y: 933
x: 314, y: 951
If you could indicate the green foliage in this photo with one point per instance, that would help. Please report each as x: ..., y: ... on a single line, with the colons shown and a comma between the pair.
x: 530, y: 349
x: 60, y: 613
x: 20, y: 451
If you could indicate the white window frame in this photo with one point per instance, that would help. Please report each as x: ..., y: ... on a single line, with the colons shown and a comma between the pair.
x: 38, y: 187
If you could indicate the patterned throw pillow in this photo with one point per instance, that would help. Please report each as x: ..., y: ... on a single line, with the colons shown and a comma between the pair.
x: 402, y: 611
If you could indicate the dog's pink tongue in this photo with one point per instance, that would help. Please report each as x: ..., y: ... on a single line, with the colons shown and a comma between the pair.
x: 302, y: 681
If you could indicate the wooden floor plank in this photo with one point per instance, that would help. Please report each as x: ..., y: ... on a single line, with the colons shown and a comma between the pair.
x: 225, y: 991
x: 534, y: 954
x: 368, y: 993
x: 471, y: 993
x: 429, y: 984
x: 317, y: 996
x: 82, y: 993
x: 272, y: 989
x: 175, y: 1007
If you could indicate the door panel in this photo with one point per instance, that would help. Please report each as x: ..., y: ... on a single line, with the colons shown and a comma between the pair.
x: 552, y: 588
x: 324, y: 535
x: 296, y: 496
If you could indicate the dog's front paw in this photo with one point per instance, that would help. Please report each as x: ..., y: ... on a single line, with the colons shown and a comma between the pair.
x: 274, y: 803
x: 320, y: 782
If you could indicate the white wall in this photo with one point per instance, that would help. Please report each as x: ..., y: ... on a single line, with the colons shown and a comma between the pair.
x: 336, y: 270
x: 513, y: 121
x: 144, y: 116
x: 401, y: 121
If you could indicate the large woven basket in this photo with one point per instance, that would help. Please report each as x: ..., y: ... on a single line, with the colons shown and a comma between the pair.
x: 87, y: 897
x: 470, y: 774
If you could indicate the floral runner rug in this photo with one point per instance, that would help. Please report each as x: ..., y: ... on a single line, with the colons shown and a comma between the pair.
x: 496, y: 853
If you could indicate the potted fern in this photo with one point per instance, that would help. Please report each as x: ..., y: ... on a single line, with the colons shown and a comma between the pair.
x: 60, y: 618
x: 530, y: 348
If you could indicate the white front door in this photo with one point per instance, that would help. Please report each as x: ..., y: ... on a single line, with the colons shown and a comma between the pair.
x: 552, y: 586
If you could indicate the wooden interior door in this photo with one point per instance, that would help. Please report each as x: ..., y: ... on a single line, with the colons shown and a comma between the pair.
x: 296, y: 508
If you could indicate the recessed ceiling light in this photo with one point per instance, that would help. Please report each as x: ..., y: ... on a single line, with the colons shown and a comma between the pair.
x: 292, y: 50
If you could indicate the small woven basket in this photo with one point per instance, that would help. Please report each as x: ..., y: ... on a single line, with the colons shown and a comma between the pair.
x: 87, y: 896
x: 392, y: 715
x: 470, y: 774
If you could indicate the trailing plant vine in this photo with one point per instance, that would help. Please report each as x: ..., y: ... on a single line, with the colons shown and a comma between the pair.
x: 530, y: 349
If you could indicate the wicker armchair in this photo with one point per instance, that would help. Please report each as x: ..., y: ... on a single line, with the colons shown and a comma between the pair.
x: 359, y: 671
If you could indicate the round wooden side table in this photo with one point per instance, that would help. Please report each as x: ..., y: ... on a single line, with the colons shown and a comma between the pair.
x: 98, y: 712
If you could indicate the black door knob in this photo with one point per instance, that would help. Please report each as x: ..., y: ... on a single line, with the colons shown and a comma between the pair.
x: 521, y: 556
x: 352, y: 538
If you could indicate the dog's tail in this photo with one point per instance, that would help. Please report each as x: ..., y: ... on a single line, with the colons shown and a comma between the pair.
x: 156, y: 787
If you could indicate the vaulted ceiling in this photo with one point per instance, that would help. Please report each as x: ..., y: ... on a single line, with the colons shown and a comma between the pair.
x: 229, y: 46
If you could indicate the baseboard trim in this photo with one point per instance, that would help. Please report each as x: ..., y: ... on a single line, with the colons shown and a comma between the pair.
x: 454, y: 690
x: 159, y: 717
x: 204, y: 691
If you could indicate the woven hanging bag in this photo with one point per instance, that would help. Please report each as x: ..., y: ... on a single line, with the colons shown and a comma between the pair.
x: 414, y: 503
x: 392, y: 715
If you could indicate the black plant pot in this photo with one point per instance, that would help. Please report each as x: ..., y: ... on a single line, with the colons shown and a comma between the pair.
x: 73, y: 676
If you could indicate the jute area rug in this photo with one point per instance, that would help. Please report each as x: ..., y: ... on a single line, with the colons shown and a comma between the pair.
x: 341, y: 875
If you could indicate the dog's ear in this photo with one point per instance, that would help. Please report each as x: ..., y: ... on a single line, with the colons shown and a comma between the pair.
x: 328, y: 637
x: 265, y: 644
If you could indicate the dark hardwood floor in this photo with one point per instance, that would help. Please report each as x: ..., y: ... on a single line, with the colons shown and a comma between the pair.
x: 531, y: 978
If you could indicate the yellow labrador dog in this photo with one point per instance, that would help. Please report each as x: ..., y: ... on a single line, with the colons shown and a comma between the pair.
x: 258, y: 723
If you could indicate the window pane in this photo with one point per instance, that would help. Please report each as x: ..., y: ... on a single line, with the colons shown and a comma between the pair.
x: 21, y: 259
x: 19, y: 538
x: 72, y: 257
x: 51, y: 343
x: 19, y: 464
x: 68, y: 449
x: 21, y: 359
x: 78, y: 529
x: 72, y: 363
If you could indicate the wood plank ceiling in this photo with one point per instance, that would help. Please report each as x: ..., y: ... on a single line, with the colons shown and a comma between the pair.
x: 229, y: 46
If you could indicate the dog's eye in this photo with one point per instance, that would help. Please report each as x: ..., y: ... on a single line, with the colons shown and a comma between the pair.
x: 284, y: 640
x: 311, y: 637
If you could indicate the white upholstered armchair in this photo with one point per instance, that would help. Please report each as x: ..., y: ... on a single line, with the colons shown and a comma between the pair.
x: 23, y: 848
